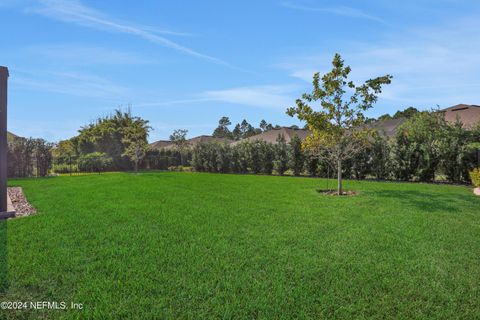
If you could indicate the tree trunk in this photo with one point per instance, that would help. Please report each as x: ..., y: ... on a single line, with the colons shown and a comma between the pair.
x: 339, y: 175
x: 136, y: 167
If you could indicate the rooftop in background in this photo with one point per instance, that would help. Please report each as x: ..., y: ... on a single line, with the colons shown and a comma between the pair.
x: 167, y: 144
x: 160, y: 144
x: 388, y: 126
x: 271, y: 135
x: 469, y: 115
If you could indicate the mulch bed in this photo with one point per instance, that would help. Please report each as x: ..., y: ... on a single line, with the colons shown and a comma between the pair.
x: 20, y: 203
x: 335, y: 193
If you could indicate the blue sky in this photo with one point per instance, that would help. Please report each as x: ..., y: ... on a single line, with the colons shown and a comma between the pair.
x: 184, y: 64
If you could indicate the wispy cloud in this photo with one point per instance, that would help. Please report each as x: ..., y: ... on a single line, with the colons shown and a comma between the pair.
x: 69, y: 83
x: 73, y: 11
x: 337, y: 10
x: 271, y: 96
x: 168, y: 103
x: 82, y: 54
x: 268, y: 96
x: 430, y: 66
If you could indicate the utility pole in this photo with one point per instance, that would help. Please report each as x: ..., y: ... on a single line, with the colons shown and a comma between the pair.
x: 3, y: 143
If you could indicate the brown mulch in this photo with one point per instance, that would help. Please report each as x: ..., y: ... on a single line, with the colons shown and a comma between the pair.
x: 20, y: 203
x: 335, y: 193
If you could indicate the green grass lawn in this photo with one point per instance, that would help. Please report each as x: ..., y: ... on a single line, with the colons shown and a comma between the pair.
x: 206, y: 246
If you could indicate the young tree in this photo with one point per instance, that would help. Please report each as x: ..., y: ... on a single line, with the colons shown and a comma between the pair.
x: 179, y: 139
x: 336, y: 125
x: 136, y: 143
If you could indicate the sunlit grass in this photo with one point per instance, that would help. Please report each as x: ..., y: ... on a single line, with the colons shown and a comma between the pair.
x: 206, y: 246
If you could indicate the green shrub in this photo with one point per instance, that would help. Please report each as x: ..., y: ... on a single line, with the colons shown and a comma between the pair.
x: 180, y: 169
x: 475, y: 177
x: 65, y: 168
x: 94, y: 162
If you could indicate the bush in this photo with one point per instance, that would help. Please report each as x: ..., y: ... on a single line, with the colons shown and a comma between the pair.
x: 94, y: 162
x: 65, y: 168
x: 280, y: 163
x: 296, y: 156
x: 475, y: 177
x: 180, y: 169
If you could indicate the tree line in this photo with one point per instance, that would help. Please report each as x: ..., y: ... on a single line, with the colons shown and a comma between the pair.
x: 424, y: 148
x: 28, y: 157
x: 241, y: 130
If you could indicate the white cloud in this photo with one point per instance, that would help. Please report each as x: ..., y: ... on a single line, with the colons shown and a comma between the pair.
x: 272, y: 96
x: 167, y: 103
x: 73, y: 11
x: 337, y: 10
x: 267, y: 96
x: 81, y: 54
x: 430, y: 66
x: 76, y: 84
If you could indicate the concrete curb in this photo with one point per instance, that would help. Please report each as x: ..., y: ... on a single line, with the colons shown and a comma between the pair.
x: 10, y: 206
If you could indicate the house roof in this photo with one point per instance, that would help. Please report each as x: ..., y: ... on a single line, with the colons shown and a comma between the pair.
x: 272, y: 135
x: 160, y: 144
x: 205, y: 138
x: 469, y: 115
x: 167, y: 144
x: 11, y: 136
x: 387, y: 127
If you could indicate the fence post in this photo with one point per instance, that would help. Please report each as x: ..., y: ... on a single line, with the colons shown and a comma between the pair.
x: 3, y: 138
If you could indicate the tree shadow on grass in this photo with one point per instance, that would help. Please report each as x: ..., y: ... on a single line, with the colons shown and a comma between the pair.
x: 428, y: 201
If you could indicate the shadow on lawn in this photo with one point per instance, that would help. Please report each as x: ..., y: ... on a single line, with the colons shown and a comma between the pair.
x: 3, y: 257
x: 427, y: 201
